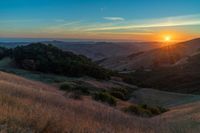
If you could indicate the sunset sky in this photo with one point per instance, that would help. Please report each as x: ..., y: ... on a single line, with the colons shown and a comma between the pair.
x: 141, y: 20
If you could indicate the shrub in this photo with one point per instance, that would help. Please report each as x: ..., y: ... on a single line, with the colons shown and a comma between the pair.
x: 162, y: 109
x: 137, y: 110
x: 122, y: 90
x: 75, y: 95
x: 144, y: 110
x: 120, y: 93
x: 65, y: 87
x: 154, y: 110
x: 4, y: 52
x: 105, y: 97
x: 82, y: 89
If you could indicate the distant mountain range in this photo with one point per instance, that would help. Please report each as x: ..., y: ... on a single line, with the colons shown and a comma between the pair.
x: 96, y: 50
x: 127, y: 56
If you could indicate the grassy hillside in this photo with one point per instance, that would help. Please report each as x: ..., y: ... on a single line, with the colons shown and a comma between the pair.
x: 159, y: 57
x: 182, y: 78
x: 184, y: 118
x: 162, y: 98
x: 28, y: 106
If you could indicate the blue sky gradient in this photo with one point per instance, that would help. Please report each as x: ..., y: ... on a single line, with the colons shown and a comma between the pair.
x: 99, y: 19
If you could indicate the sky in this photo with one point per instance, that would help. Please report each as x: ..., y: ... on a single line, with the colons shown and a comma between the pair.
x: 141, y: 20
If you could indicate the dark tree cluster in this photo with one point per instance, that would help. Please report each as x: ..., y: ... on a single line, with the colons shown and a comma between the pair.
x: 50, y: 59
x: 4, y: 52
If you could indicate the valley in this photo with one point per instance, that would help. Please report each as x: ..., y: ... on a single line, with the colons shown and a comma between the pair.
x: 122, y: 101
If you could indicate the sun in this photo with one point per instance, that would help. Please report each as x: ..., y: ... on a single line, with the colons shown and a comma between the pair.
x: 167, y: 38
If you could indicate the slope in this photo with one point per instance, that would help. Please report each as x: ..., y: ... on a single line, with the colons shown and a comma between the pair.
x: 165, y: 56
x: 29, y: 106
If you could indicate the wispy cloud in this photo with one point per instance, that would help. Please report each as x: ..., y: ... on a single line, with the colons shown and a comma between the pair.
x: 176, y: 21
x: 114, y: 18
x: 115, y: 27
x: 128, y: 33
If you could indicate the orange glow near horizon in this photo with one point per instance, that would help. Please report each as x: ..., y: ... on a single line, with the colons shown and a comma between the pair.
x: 168, y: 38
x: 172, y: 36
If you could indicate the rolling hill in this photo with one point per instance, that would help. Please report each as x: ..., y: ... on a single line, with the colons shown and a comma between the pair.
x: 30, y: 106
x: 33, y: 106
x: 165, y: 56
x: 162, y: 98
x: 182, y: 78
x: 47, y: 58
x: 94, y: 50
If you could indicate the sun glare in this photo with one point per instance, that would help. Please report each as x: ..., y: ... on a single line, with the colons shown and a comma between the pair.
x: 167, y: 38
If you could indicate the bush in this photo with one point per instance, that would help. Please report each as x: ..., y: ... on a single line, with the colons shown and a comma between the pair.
x: 4, y: 52
x: 137, y: 110
x: 82, y: 89
x: 122, y: 90
x: 75, y: 95
x: 120, y: 93
x: 154, y: 110
x: 144, y: 110
x: 162, y: 109
x: 65, y: 87
x: 105, y: 97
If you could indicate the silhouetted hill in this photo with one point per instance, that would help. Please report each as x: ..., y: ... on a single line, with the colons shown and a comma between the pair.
x: 49, y: 59
x: 165, y: 56
x: 101, y: 50
x: 183, y: 78
x: 95, y: 50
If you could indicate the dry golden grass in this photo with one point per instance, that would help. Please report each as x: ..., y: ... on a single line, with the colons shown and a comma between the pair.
x: 28, y: 106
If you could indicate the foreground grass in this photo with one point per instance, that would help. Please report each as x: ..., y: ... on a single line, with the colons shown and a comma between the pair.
x: 27, y: 106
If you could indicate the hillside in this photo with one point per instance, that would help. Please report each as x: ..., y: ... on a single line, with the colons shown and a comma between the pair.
x: 29, y: 106
x: 94, y: 50
x: 182, y: 78
x: 165, y: 56
x: 161, y: 98
x: 50, y: 59
x: 101, y: 50
x: 184, y: 118
x: 85, y: 104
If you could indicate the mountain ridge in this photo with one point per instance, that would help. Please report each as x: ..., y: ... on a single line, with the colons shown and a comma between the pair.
x: 167, y: 54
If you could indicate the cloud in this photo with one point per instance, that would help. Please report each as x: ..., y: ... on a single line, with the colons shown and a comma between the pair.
x: 156, y: 25
x: 187, y: 20
x: 128, y: 33
x: 114, y: 18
